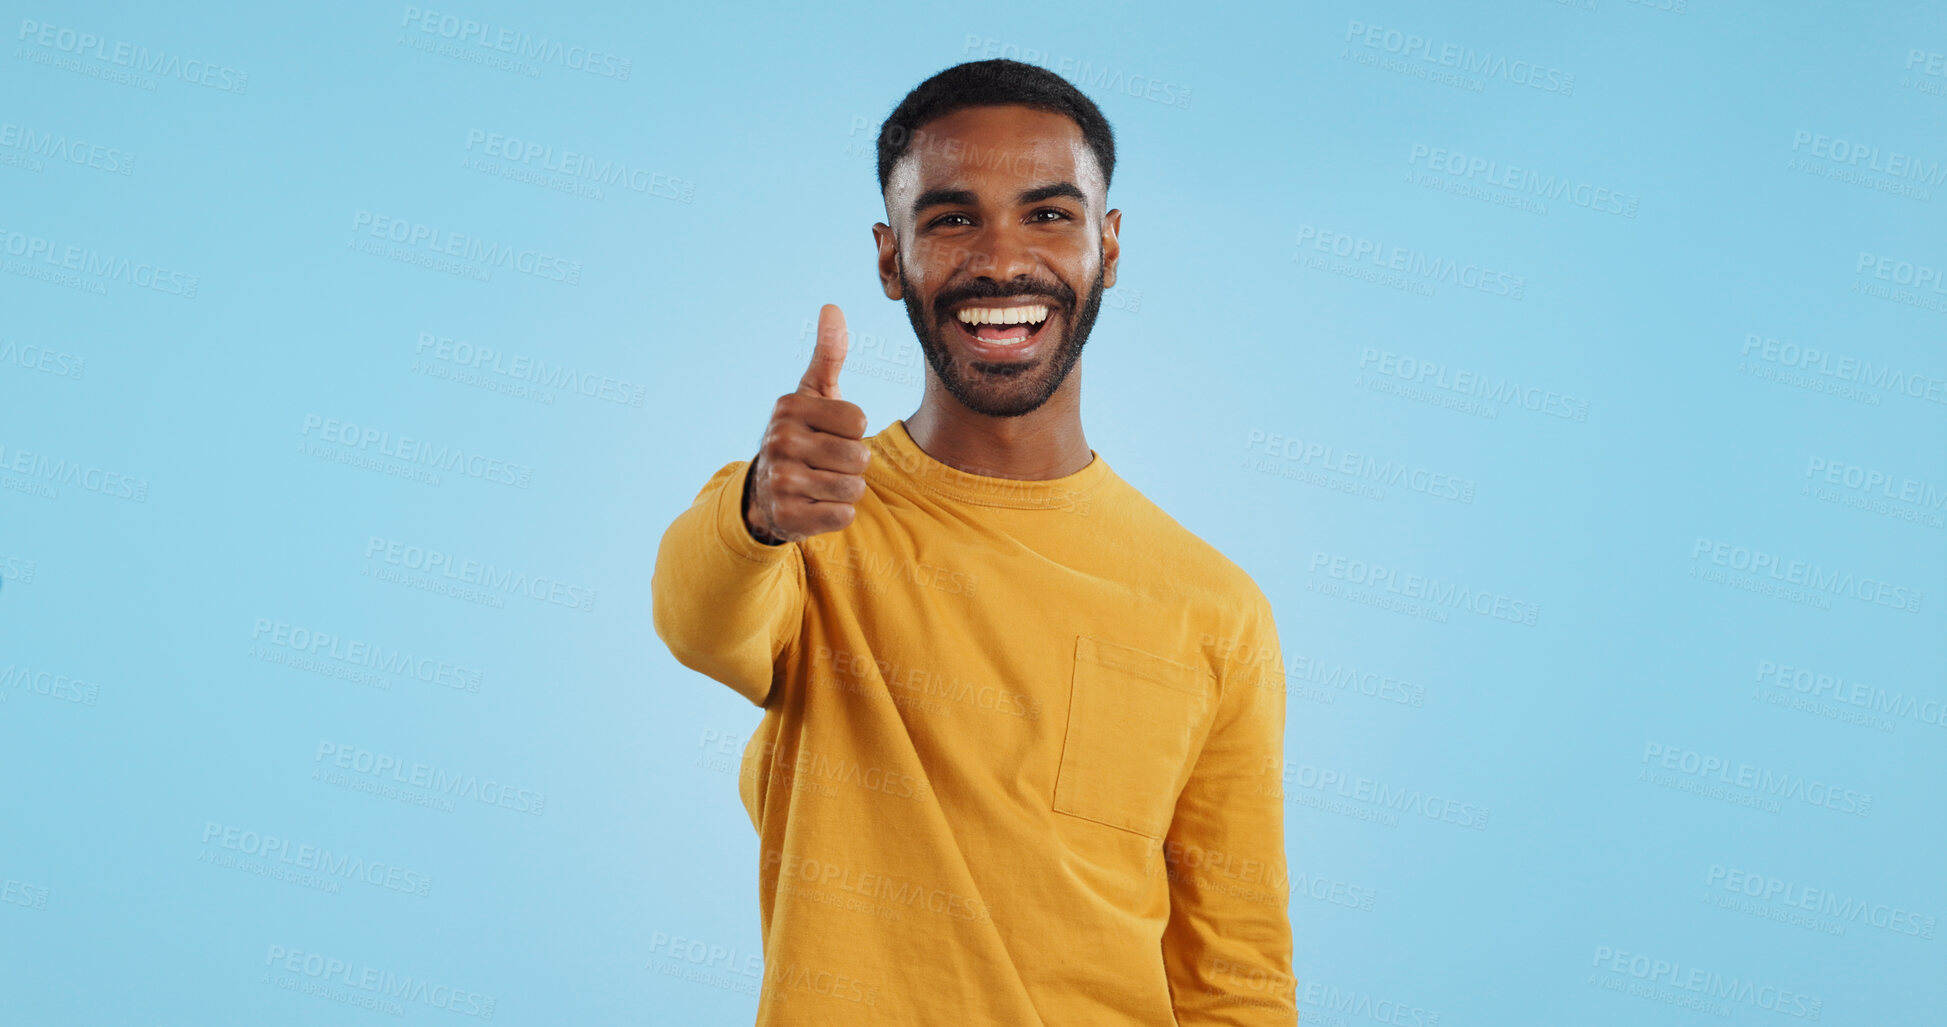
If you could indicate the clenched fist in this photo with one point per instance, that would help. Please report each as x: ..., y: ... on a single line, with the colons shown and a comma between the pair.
x: 810, y: 468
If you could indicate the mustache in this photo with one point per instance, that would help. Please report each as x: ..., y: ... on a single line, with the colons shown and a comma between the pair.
x: 988, y: 289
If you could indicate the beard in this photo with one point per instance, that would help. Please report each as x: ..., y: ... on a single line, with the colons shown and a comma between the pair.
x: 1008, y: 389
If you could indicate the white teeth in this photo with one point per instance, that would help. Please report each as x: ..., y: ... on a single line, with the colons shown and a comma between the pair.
x: 1002, y: 315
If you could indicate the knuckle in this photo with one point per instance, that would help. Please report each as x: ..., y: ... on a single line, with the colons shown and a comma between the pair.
x: 789, y: 444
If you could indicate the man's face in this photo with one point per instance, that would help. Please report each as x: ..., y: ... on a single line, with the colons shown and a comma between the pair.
x: 1001, y: 253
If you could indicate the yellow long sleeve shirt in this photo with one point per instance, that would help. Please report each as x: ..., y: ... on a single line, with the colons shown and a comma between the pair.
x: 1020, y: 752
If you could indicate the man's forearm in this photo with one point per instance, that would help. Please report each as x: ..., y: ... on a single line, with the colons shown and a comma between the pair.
x: 725, y: 602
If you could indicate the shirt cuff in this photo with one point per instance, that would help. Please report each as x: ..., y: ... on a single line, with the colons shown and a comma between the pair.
x: 731, y: 527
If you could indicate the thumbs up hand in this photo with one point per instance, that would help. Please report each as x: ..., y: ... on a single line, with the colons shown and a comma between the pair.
x: 810, y: 468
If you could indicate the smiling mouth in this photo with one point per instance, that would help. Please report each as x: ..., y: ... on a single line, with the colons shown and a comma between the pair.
x: 1003, y: 327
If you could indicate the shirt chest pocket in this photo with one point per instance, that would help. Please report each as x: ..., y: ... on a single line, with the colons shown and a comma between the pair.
x: 1132, y: 719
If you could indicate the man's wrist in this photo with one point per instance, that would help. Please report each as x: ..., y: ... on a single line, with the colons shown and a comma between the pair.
x: 751, y: 529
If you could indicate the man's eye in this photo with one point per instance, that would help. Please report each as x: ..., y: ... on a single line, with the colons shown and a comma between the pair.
x: 947, y: 219
x: 1058, y: 214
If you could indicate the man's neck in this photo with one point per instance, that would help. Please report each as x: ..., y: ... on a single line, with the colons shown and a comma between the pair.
x: 1046, y: 443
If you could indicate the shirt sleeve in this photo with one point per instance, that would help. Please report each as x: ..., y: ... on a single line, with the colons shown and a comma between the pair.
x: 1227, y: 947
x: 726, y: 604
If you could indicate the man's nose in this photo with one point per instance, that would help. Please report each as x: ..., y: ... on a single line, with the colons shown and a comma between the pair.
x: 1003, y: 254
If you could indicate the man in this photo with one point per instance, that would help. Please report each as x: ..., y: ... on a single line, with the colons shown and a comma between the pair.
x: 1022, y: 732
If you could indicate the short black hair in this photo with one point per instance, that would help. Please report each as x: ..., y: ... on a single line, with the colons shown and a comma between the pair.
x: 996, y: 83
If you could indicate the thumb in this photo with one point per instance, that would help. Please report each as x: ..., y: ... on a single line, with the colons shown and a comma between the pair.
x: 827, y: 357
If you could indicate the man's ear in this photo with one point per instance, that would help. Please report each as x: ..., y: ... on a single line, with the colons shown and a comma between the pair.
x: 1111, y: 246
x: 888, y: 244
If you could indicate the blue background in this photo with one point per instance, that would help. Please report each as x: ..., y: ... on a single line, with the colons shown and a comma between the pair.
x: 183, y: 514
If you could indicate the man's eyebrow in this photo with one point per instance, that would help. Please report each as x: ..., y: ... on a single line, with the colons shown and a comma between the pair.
x: 966, y: 198
x: 1049, y: 192
x: 938, y: 197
